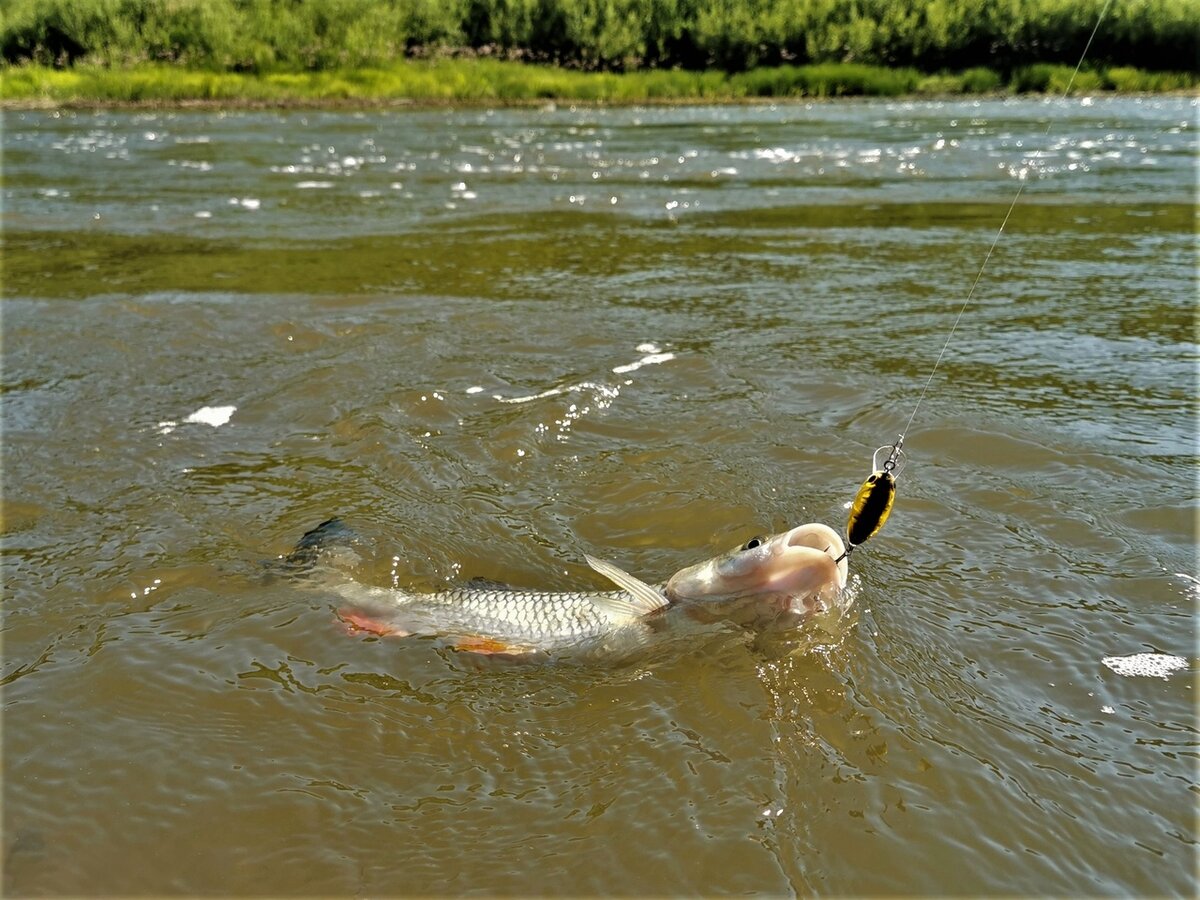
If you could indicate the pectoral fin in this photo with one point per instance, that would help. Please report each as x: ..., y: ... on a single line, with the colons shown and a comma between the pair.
x: 643, y: 598
x: 486, y: 646
x: 357, y: 621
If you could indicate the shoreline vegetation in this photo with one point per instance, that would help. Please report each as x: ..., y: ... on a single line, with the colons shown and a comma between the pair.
x: 393, y: 52
x: 488, y: 81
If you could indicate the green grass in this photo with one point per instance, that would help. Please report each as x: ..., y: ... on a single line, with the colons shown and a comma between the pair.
x: 972, y: 81
x: 1051, y: 79
x: 1126, y: 78
x: 488, y: 80
x: 826, y: 80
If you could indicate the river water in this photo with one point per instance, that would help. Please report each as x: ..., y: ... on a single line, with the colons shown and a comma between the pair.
x: 495, y: 340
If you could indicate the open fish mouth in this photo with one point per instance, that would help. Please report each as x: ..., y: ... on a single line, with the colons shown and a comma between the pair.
x: 796, y: 565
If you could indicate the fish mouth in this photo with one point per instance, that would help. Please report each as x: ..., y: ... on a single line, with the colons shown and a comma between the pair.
x: 795, y: 565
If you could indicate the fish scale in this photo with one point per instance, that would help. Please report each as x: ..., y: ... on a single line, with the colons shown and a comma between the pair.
x: 535, y: 616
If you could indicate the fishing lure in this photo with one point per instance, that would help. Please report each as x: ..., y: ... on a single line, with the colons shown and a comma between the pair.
x: 873, y: 503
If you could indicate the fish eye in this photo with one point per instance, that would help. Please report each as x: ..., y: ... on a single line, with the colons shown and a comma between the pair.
x: 752, y: 543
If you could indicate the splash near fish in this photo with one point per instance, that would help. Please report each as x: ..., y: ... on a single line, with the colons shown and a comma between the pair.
x: 794, y: 574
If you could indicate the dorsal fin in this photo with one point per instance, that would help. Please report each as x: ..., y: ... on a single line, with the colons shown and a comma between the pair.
x: 643, y: 599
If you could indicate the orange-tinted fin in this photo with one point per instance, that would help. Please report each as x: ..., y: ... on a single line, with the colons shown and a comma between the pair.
x: 489, y: 646
x: 358, y: 621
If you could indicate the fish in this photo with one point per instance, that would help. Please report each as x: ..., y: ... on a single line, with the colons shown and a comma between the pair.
x: 794, y: 573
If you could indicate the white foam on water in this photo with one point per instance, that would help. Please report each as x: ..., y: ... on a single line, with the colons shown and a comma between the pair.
x: 548, y: 393
x: 1151, y: 665
x: 650, y: 359
x: 216, y: 416
x: 602, y: 395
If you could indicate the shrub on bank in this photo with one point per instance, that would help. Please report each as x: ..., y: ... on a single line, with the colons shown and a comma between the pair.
x: 1045, y: 78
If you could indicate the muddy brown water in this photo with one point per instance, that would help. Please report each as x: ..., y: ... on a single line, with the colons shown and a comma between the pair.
x: 492, y: 341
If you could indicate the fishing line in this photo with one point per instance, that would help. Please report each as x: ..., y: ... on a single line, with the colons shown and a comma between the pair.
x: 873, y: 502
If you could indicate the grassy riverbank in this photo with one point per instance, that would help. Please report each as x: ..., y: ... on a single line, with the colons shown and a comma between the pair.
x: 618, y: 51
x: 610, y: 35
x: 489, y: 80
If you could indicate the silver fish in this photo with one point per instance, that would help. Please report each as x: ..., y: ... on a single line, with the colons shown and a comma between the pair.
x: 790, y: 573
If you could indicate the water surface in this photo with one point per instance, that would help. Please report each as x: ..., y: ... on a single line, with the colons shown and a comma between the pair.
x: 494, y: 340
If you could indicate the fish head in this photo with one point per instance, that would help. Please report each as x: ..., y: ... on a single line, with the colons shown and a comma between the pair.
x: 797, y: 571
